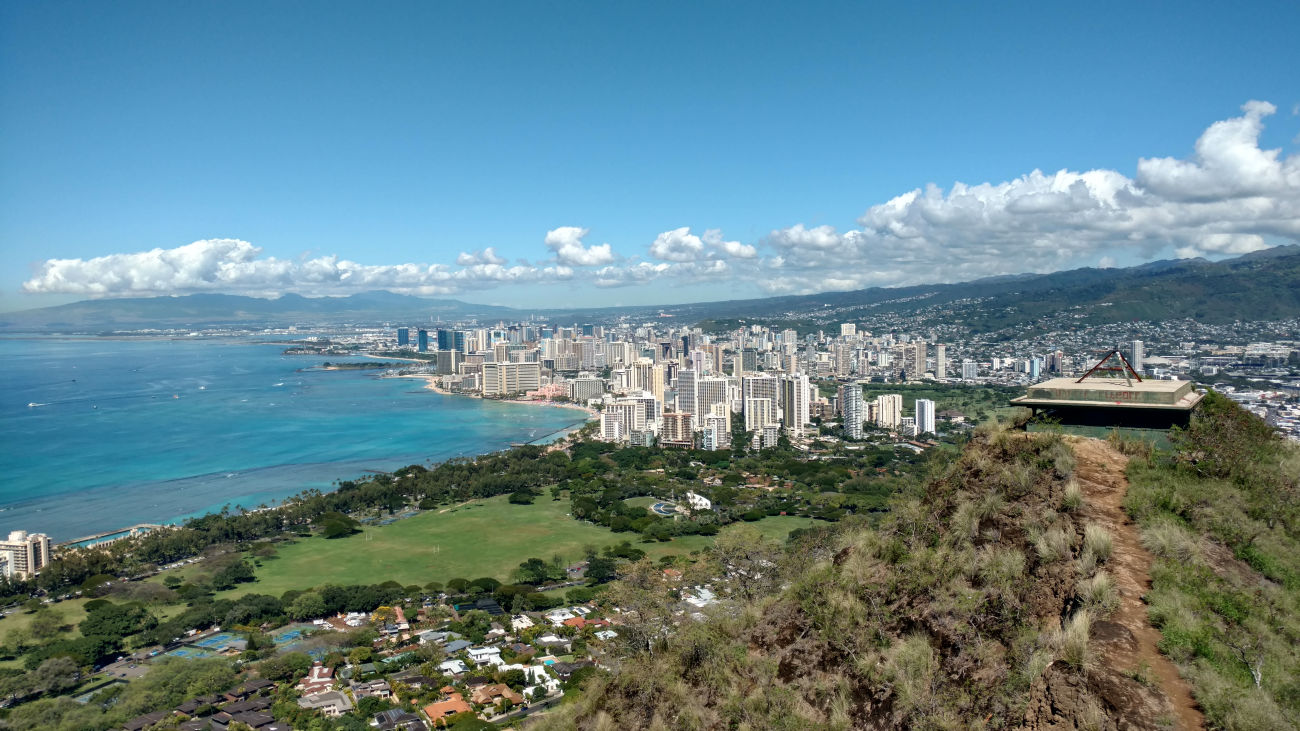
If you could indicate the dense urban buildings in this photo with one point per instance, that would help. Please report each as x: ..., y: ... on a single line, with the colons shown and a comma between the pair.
x: 667, y: 384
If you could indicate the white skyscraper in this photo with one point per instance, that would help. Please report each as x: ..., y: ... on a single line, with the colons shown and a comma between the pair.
x: 687, y: 395
x: 889, y: 410
x: 852, y: 409
x: 710, y: 392
x: 1136, y: 355
x: 848, y: 330
x: 970, y: 370
x: 924, y: 416
x: 794, y: 403
x: 940, y: 361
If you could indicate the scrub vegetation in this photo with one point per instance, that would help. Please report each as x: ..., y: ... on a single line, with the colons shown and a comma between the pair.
x: 1221, y: 514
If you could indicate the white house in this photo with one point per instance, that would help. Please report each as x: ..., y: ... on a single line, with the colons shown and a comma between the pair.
x: 606, y: 634
x: 557, y: 616
x: 520, y: 622
x: 481, y: 656
x: 453, y: 667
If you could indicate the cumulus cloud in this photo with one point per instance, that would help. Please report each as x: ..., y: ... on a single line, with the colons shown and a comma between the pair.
x: 231, y: 265
x: 681, y: 245
x: 1229, y: 196
x: 486, y: 256
x: 677, y: 245
x: 566, y: 242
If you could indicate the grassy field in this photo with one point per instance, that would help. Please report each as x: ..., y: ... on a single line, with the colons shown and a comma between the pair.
x: 483, y: 538
x: 71, y: 612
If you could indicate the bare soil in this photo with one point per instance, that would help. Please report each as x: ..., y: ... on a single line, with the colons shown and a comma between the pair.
x: 1127, y: 641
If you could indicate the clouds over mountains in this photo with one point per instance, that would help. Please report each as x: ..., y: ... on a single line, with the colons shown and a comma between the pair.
x: 1229, y: 197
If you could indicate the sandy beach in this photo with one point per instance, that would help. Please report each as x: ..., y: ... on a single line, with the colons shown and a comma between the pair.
x: 431, y: 383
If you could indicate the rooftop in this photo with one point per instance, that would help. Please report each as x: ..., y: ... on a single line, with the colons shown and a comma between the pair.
x: 1111, y: 393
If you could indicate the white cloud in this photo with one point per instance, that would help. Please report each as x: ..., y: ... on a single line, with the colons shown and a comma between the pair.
x: 231, y: 265
x: 1228, y: 163
x: 566, y: 242
x: 1229, y: 197
x: 681, y: 245
x: 677, y: 245
x: 728, y: 249
x: 486, y: 256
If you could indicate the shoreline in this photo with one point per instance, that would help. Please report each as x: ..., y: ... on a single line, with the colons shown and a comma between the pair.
x: 430, y: 384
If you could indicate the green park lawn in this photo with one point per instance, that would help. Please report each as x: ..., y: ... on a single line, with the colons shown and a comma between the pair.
x: 482, y: 538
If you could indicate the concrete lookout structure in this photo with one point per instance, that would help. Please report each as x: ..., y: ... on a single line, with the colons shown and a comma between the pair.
x: 1112, y: 402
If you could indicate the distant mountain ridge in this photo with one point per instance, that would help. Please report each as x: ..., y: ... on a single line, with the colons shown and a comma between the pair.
x: 1263, y: 285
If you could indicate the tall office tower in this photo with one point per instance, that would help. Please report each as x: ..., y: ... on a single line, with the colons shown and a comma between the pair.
x: 924, y: 416
x: 760, y: 392
x: 650, y: 407
x: 586, y: 353
x: 687, y: 393
x: 759, y: 412
x: 641, y: 373
x: 764, y: 386
x: 677, y: 430
x: 631, y: 412
x: 658, y: 381
x: 588, y: 329
x: 749, y: 359
x: 403, y: 336
x: 584, y: 388
x: 717, y: 432
x: 24, y: 554
x: 715, y: 356
x: 501, y: 379
x: 446, y: 340
x: 499, y: 353
x: 1059, y: 361
x: 851, y: 408
x: 1035, y: 368
x: 917, y: 367
x: 1136, y: 355
x: 940, y: 361
x: 445, y: 361
x: 848, y: 330
x: 423, y: 340
x: 794, y: 403
x: 711, y: 392
x: 843, y: 360
x: 460, y: 341
x: 621, y: 379
x: 611, y: 427
x: 790, y: 337
x: 970, y: 370
x: 889, y: 410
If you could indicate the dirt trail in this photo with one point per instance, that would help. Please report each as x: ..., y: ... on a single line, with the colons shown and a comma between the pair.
x: 1101, y: 475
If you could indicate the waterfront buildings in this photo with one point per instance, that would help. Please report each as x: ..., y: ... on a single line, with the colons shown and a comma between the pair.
x: 502, y: 379
x: 24, y: 554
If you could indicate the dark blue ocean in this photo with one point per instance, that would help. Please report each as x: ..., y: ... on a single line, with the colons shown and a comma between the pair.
x: 133, y: 431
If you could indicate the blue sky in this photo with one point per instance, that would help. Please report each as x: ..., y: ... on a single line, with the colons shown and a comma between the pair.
x: 720, y: 149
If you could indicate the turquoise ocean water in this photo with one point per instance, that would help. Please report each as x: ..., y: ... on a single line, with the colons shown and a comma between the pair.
x: 133, y: 431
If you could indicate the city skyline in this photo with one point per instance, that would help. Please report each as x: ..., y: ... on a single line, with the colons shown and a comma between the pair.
x: 511, y: 157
